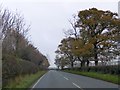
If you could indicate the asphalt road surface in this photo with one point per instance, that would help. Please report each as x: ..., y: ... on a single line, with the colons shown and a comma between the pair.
x: 58, y: 79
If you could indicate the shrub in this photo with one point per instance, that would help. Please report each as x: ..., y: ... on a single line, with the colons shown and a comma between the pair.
x: 12, y: 67
x: 113, y: 69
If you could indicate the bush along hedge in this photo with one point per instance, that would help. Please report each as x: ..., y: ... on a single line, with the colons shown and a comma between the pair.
x: 12, y: 67
x: 112, y: 69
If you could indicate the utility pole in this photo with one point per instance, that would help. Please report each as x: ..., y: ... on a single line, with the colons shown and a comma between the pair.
x: 119, y: 9
x: 1, y: 52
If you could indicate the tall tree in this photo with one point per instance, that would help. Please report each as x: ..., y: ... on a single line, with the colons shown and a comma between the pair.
x: 99, y: 27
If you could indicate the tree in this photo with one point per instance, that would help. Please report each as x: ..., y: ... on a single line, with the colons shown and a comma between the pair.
x: 57, y: 61
x: 94, y: 36
x: 61, y: 61
x: 80, y: 49
x: 65, y: 48
x: 19, y: 56
x: 100, y: 28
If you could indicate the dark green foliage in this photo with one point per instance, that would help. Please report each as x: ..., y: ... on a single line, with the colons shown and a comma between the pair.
x: 13, y: 67
x: 106, y: 69
x: 113, y: 69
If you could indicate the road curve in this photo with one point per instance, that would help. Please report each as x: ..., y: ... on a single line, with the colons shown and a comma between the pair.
x: 58, y: 79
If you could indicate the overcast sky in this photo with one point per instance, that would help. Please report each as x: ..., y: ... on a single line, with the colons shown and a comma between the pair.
x: 48, y: 18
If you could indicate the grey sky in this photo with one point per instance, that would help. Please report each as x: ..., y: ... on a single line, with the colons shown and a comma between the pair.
x: 48, y: 18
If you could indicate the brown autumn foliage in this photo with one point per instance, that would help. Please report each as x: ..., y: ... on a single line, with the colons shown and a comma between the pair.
x: 95, y: 35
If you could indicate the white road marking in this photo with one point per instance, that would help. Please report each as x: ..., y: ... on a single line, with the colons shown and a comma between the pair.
x: 37, y: 82
x: 63, y: 76
x: 76, y: 85
x: 66, y: 78
x: 72, y: 82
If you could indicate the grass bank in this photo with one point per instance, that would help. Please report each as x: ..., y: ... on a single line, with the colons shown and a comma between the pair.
x: 25, y: 81
x: 106, y: 77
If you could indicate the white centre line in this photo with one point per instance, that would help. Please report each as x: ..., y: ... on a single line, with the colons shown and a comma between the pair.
x: 77, y: 86
x: 66, y: 78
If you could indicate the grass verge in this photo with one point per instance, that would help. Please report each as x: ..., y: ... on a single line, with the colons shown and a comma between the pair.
x: 106, y: 77
x: 25, y: 81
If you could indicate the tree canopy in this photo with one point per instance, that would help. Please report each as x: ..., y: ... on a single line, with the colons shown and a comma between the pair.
x: 95, y: 35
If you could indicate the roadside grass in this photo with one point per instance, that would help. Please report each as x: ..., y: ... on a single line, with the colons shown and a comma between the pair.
x: 106, y: 77
x: 24, y: 82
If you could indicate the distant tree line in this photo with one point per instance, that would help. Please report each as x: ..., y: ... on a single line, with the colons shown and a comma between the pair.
x: 19, y: 56
x: 95, y: 36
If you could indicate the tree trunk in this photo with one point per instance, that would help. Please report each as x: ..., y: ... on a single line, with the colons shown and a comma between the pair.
x: 82, y: 63
x: 71, y: 64
x: 58, y: 67
x: 95, y: 53
x: 96, y: 63
x: 88, y: 63
x: 79, y: 59
x: 96, y: 60
x: 62, y: 67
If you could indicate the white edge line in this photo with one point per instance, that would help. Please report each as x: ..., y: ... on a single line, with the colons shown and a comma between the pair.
x: 76, y: 85
x: 38, y: 81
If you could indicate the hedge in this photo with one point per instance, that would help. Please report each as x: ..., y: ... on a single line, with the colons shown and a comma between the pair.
x: 12, y: 67
x: 112, y: 69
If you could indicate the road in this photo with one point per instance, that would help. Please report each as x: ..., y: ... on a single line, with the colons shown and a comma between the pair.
x: 58, y: 79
